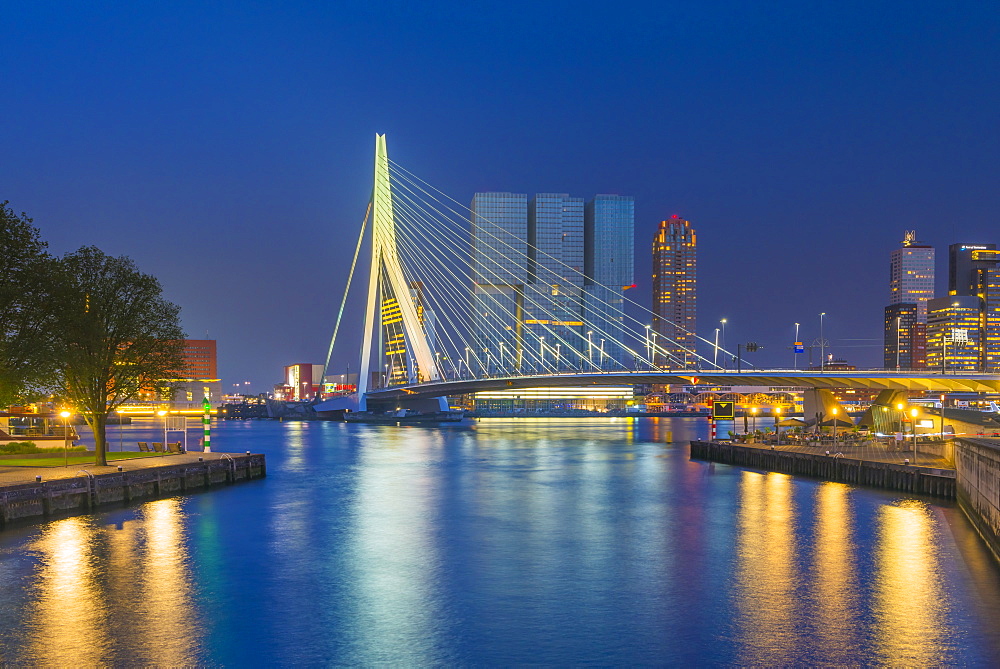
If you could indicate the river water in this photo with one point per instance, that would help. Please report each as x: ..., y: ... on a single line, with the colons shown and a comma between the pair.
x: 559, y: 541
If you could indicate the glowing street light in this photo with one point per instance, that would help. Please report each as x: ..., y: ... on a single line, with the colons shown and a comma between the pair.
x: 163, y: 414
x: 65, y: 416
x: 913, y: 423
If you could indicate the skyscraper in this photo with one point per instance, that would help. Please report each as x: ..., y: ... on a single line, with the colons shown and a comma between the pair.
x: 911, y: 274
x: 546, y: 277
x: 911, y: 284
x: 964, y: 264
x: 674, y: 293
x: 499, y: 276
x: 609, y: 260
x: 974, y: 272
x: 954, y: 336
x: 905, y: 338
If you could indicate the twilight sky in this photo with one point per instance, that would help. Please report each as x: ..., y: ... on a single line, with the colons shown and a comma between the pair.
x: 227, y: 146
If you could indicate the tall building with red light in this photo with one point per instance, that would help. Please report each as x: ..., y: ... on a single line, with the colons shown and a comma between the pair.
x: 674, y: 293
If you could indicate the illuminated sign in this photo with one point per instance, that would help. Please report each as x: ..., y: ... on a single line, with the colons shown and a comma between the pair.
x: 724, y: 410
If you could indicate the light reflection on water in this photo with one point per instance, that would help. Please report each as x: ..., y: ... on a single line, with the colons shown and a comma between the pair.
x: 516, y: 541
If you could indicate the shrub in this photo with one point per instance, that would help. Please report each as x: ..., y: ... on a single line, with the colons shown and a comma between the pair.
x: 23, y: 447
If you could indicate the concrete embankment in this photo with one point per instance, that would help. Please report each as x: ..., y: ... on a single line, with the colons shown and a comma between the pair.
x: 60, y: 493
x: 977, y: 464
x: 891, y: 476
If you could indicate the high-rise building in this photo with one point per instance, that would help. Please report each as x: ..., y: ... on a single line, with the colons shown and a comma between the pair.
x: 964, y: 263
x: 609, y: 261
x: 905, y: 338
x: 499, y: 274
x: 954, y: 335
x: 974, y: 272
x: 674, y: 293
x: 547, y: 275
x: 911, y: 274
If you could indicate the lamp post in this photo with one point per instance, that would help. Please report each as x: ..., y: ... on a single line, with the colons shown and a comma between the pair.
x: 648, y: 353
x: 590, y: 348
x: 65, y: 416
x: 715, y: 358
x: 777, y: 426
x: 822, y: 344
x: 601, y: 353
x: 913, y: 428
x: 835, y: 411
x: 163, y: 414
x: 558, y: 356
x: 899, y: 408
x: 723, y: 322
x: 795, y: 351
x: 753, y: 419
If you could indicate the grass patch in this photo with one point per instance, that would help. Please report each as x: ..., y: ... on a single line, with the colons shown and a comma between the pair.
x: 20, y: 447
x: 74, y: 459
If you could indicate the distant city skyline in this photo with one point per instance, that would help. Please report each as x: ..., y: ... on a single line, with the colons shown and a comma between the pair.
x: 227, y: 148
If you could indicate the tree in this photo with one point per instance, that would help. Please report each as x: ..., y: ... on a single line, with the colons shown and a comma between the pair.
x: 116, y: 335
x: 27, y: 364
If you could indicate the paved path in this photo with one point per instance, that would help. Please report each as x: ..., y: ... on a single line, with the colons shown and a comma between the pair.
x: 16, y: 475
x: 869, y: 451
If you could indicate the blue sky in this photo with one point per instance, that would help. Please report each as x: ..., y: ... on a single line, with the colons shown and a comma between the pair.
x: 227, y: 146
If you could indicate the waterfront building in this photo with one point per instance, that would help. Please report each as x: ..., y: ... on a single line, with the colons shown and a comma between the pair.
x: 965, y: 262
x: 548, y: 275
x: 674, y: 293
x: 905, y: 337
x: 954, y: 336
x: 974, y: 272
x: 302, y: 382
x: 499, y: 225
x: 911, y: 274
x: 609, y: 260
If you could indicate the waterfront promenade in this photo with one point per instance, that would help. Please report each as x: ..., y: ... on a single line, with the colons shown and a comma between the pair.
x: 17, y: 475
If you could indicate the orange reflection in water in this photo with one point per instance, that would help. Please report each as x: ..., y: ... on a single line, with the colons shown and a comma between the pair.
x: 67, y: 620
x: 113, y: 594
x: 835, y: 581
x: 766, y: 573
x: 909, y: 607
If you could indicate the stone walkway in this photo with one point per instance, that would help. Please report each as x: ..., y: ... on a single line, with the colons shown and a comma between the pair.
x: 869, y: 451
x: 17, y: 475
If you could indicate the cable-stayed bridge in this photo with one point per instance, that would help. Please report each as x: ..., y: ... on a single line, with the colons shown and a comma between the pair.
x: 458, y: 302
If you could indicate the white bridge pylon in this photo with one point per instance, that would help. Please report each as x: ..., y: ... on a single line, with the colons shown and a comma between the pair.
x: 385, y: 262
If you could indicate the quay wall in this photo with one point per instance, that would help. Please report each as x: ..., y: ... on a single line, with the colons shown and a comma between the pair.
x: 905, y: 478
x: 39, y: 500
x: 977, y: 465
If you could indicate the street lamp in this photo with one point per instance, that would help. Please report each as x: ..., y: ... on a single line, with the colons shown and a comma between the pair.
x: 822, y: 344
x: 723, y: 322
x: 777, y: 426
x: 913, y: 428
x: 163, y: 414
x: 715, y: 358
x: 590, y: 348
x: 65, y: 416
x: 835, y: 411
x: 795, y: 351
x: 899, y: 408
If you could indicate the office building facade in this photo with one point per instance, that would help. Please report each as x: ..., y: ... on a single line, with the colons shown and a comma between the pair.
x: 911, y: 285
x: 954, y: 336
x: 674, y: 294
x: 905, y: 337
x: 911, y: 274
x: 536, y: 308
